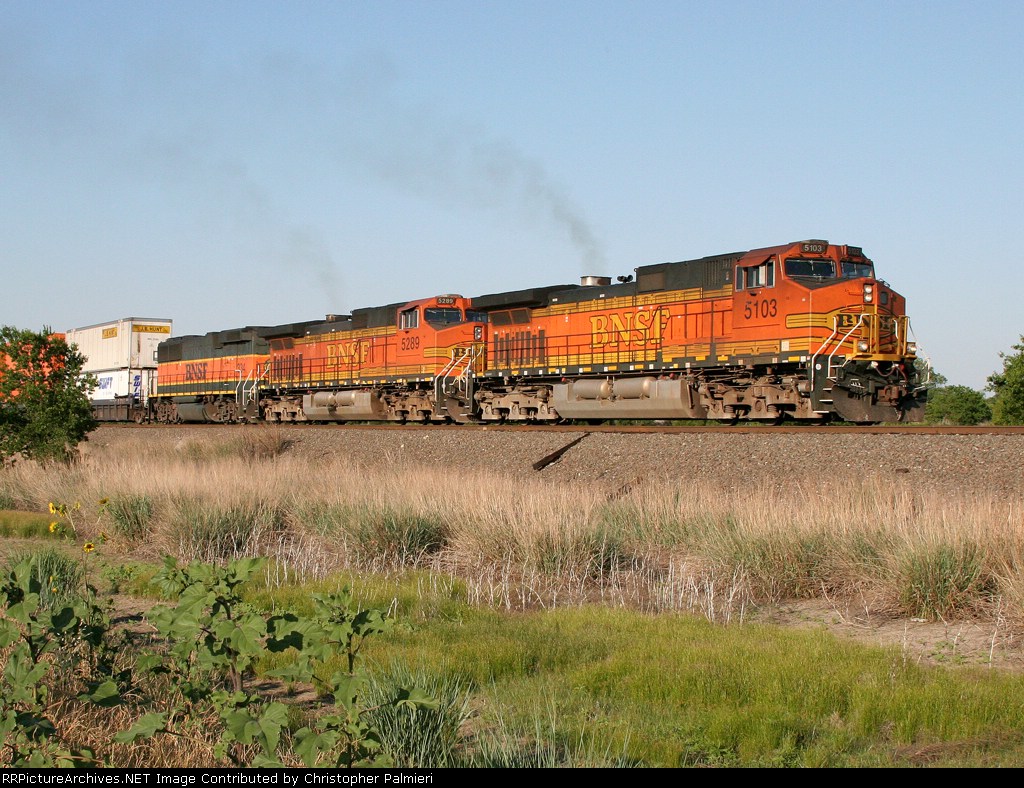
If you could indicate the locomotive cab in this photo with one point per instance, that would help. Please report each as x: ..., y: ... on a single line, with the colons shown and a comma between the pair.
x: 830, y: 314
x: 431, y: 331
x: 442, y: 340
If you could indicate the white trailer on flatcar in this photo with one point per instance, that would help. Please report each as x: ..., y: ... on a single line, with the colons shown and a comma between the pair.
x: 121, y: 354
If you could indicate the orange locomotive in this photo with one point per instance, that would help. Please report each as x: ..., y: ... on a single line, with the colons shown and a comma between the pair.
x: 803, y: 331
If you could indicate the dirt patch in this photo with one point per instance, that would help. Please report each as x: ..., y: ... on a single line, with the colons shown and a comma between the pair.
x: 950, y: 643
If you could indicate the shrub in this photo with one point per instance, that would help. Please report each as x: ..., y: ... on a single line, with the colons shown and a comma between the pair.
x: 1008, y: 387
x: 210, y: 533
x: 393, y: 534
x: 131, y: 515
x: 44, y: 407
x: 956, y: 405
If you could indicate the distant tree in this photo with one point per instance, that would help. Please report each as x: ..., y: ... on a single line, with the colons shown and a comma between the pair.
x: 44, y: 407
x: 956, y: 405
x: 1008, y: 388
x: 927, y: 374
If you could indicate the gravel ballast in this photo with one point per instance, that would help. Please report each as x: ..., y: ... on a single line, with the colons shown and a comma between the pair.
x: 976, y: 462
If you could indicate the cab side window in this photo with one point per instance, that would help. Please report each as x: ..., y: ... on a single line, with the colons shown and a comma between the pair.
x: 756, y: 276
x: 410, y: 318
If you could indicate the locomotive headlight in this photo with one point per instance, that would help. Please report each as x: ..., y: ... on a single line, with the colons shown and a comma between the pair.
x: 863, y: 346
x: 869, y: 293
x: 912, y: 347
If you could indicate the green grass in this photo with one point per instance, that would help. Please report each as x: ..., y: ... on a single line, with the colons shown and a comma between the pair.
x: 26, y: 525
x: 597, y: 686
x: 671, y: 690
x: 618, y: 687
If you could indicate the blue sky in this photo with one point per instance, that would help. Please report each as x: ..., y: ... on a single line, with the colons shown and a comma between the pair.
x: 253, y: 163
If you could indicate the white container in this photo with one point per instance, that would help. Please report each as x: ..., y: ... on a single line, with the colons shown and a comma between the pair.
x: 128, y: 344
x: 117, y: 383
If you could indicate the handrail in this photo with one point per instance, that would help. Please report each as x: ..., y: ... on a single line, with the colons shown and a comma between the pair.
x: 463, y: 356
x: 826, y: 343
x: 839, y: 344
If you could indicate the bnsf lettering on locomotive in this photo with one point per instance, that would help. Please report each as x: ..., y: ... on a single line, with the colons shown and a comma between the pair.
x: 347, y: 353
x: 845, y: 320
x: 629, y: 328
x: 195, y: 372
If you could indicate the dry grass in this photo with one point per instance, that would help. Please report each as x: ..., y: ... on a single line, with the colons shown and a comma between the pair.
x: 715, y: 551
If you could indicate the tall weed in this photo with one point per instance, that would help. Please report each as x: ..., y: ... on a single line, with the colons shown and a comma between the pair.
x: 213, y: 534
x: 25, y: 525
x: 419, y: 738
x: 944, y: 580
x: 131, y: 515
x: 510, y: 745
x: 394, y: 535
x: 60, y: 576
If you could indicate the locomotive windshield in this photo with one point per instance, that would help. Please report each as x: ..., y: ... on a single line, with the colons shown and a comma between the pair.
x: 476, y: 317
x: 820, y: 269
x: 442, y: 317
x: 853, y: 270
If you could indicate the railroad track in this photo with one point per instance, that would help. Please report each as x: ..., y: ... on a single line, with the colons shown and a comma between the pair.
x: 654, y: 429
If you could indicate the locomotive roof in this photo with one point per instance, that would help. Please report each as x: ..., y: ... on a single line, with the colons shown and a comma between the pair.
x: 376, y: 316
x: 679, y: 274
x: 700, y: 272
x: 534, y: 296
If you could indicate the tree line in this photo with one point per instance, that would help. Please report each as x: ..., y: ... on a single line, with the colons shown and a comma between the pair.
x: 964, y: 405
